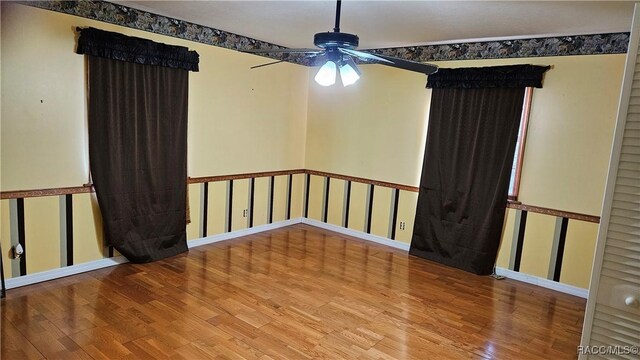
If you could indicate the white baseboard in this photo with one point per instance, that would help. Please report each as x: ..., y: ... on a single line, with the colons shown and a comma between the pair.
x: 62, y: 272
x: 103, y: 263
x: 244, y: 232
x: 542, y: 282
x: 529, y: 279
x: 357, y: 234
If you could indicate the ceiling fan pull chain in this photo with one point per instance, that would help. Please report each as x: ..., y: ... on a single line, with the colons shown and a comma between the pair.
x: 337, y: 27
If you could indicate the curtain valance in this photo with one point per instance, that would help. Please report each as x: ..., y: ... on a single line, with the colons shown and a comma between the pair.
x: 116, y: 46
x: 510, y: 76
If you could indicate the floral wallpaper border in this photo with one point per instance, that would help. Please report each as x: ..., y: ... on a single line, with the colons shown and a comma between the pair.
x: 142, y: 20
x: 613, y: 43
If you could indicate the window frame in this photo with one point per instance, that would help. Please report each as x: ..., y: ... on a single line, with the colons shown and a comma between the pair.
x: 522, y: 139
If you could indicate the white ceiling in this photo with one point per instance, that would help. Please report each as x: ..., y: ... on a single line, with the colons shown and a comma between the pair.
x: 397, y: 23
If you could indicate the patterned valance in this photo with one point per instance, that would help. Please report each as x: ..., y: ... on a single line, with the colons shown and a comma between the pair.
x: 116, y: 46
x: 510, y: 76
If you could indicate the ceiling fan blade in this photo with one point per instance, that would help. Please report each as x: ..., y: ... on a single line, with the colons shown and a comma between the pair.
x: 426, y: 69
x: 363, y: 55
x: 267, y: 64
x: 288, y: 51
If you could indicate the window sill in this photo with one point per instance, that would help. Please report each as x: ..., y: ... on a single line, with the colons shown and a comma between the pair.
x: 513, y: 200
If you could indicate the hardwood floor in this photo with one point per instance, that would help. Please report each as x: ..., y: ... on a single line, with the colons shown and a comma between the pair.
x: 294, y: 293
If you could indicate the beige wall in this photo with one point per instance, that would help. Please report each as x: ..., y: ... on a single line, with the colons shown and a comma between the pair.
x: 376, y: 129
x: 240, y: 120
x: 243, y: 120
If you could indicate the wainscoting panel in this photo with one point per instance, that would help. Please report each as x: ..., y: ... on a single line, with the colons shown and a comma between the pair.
x: 357, y: 206
x: 261, y: 201
x: 406, y: 213
x: 297, y: 195
x: 280, y: 187
x: 553, y: 244
x: 335, y: 210
x: 5, y: 237
x: 42, y: 233
x: 580, y: 245
x: 504, y: 254
x: 381, y: 211
x: 195, y: 211
x: 239, y: 212
x: 88, y: 235
x: 536, y: 249
x: 217, y: 209
x: 316, y: 197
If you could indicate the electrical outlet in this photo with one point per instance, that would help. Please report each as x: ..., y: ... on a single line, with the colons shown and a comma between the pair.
x: 16, y: 252
x: 402, y: 225
x: 245, y: 212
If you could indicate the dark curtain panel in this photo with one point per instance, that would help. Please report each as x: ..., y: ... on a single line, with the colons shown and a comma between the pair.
x: 138, y: 147
x: 470, y: 146
x: 137, y: 152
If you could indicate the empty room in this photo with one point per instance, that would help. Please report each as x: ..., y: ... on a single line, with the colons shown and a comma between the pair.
x: 320, y: 180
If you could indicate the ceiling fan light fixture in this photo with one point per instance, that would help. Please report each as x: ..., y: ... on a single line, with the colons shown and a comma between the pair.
x: 326, y: 76
x: 349, y: 73
x: 339, y: 50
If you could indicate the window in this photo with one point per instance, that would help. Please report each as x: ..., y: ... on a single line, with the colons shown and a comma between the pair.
x: 516, y: 169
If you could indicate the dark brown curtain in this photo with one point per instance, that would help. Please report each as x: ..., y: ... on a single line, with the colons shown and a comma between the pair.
x: 137, y: 149
x: 473, y: 128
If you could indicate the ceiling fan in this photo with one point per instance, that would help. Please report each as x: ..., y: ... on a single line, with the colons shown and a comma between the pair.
x: 337, y: 51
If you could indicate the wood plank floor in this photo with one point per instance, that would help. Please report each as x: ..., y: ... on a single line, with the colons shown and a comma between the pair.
x: 294, y: 293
